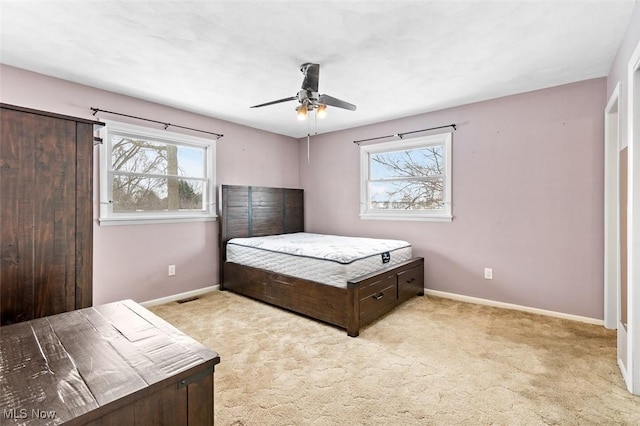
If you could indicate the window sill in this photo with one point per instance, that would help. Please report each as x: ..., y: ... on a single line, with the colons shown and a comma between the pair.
x: 407, y: 217
x: 153, y: 220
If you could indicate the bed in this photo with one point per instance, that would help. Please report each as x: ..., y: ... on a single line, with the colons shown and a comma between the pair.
x: 364, y: 284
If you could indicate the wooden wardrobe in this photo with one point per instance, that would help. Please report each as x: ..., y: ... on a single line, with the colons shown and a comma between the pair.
x: 46, y: 213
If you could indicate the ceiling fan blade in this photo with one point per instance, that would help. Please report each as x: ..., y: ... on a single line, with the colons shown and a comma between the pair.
x: 330, y: 100
x: 292, y: 98
x: 311, y: 76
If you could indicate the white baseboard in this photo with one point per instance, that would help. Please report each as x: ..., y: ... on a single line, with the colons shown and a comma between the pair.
x: 180, y: 296
x: 428, y: 292
x: 495, y: 304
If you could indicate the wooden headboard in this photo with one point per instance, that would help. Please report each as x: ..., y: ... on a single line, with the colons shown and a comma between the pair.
x: 253, y: 211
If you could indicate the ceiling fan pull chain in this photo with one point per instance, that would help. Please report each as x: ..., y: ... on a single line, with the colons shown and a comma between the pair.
x: 308, y: 149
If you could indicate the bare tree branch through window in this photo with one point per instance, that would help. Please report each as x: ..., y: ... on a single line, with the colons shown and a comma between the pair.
x: 409, y: 179
x: 155, y: 176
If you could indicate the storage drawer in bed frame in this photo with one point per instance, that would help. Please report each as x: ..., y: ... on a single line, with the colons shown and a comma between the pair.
x: 410, y: 282
x: 378, y: 298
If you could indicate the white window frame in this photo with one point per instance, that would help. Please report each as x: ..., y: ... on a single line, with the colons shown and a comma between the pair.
x: 109, y: 217
x: 444, y: 215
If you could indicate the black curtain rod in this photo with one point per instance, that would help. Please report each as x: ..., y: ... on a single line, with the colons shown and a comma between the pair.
x: 166, y: 125
x: 400, y: 135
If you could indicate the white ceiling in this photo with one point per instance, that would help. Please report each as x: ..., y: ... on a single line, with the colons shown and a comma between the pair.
x: 390, y: 58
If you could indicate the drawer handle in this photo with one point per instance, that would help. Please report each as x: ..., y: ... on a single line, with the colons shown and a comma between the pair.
x: 378, y: 296
x: 411, y: 280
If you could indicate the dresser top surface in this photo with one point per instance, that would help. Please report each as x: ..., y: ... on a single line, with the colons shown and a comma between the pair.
x: 71, y: 364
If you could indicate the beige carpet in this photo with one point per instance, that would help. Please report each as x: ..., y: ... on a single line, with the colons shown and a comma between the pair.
x: 432, y: 361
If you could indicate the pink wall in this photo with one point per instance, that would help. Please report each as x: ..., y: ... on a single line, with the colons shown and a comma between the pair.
x: 527, y: 198
x: 131, y: 261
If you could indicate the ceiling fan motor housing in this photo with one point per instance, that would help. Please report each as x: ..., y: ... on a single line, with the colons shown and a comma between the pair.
x: 308, y: 97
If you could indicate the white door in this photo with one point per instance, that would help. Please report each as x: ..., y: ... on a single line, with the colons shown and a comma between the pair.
x: 629, y: 337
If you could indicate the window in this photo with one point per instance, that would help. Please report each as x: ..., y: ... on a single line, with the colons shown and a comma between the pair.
x: 152, y: 176
x: 409, y: 179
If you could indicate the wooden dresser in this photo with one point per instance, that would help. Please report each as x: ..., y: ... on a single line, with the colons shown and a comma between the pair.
x: 114, y: 364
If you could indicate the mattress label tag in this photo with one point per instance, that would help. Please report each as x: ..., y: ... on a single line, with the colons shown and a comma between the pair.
x: 386, y: 257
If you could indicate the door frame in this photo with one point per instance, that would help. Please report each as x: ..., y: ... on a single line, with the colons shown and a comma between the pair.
x: 611, y: 213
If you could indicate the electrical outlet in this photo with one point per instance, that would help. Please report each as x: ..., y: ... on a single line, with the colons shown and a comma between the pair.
x: 488, y: 273
x: 172, y: 270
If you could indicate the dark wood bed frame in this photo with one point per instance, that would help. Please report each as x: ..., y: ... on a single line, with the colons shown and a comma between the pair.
x: 251, y: 211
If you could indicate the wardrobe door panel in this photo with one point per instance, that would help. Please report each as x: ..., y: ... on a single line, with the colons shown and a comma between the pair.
x: 17, y: 155
x: 54, y: 216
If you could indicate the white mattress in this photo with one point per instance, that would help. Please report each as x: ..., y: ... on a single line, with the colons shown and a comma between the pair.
x: 328, y: 259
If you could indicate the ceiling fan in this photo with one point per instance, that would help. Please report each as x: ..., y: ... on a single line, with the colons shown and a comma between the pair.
x: 308, y: 95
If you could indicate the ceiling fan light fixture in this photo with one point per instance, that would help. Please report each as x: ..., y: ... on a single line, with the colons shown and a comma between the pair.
x: 309, y: 97
x: 321, y: 111
x: 302, y: 112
